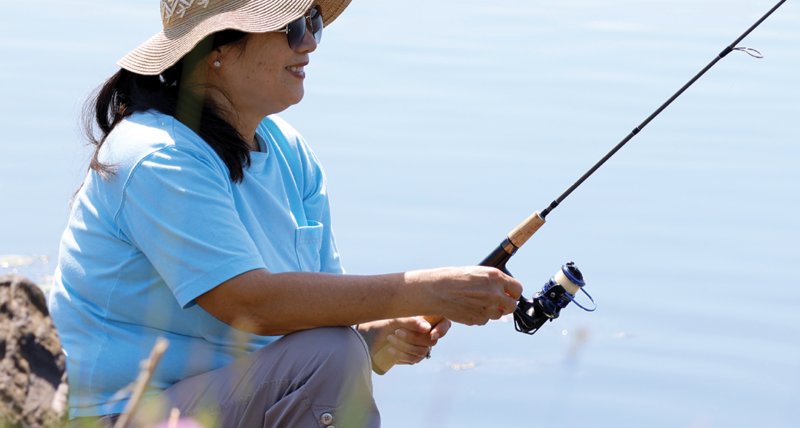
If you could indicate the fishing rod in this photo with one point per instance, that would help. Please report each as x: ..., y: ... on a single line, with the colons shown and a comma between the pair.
x: 561, y: 289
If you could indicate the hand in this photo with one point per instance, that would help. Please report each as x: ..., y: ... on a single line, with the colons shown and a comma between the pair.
x: 410, y: 339
x: 470, y: 295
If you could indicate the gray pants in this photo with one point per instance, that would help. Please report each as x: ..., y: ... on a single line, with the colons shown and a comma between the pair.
x: 318, y: 378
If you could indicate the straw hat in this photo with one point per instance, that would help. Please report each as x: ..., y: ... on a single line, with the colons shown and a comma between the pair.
x: 187, y: 22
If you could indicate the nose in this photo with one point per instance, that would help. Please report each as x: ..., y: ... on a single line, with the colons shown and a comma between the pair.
x: 309, y: 43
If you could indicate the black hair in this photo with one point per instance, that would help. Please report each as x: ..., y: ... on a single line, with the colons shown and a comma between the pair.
x: 126, y: 93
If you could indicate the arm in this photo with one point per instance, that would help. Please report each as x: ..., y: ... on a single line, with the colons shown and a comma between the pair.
x: 173, y: 198
x: 265, y: 303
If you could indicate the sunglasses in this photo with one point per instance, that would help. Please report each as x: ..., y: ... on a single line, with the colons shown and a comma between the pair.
x: 296, y: 30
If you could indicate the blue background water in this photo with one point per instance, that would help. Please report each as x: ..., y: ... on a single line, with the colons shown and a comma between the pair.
x: 444, y: 124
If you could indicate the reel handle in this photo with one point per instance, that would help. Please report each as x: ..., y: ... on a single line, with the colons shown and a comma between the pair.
x: 382, y: 361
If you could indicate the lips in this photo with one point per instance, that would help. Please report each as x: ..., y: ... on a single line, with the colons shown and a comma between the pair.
x: 297, y: 69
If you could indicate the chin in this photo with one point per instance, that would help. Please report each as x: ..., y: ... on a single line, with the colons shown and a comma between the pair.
x: 298, y: 96
x: 277, y: 108
x: 293, y: 101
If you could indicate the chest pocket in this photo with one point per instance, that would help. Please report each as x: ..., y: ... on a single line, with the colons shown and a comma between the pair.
x: 308, y: 241
x: 308, y: 235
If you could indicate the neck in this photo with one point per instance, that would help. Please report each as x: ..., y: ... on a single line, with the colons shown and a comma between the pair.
x: 243, y: 120
x: 246, y: 128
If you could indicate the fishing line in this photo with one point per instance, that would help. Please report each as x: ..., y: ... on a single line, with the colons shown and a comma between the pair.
x: 560, y: 290
x: 658, y: 111
x: 753, y: 53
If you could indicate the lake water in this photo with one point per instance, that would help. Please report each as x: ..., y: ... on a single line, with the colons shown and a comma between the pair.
x: 442, y: 125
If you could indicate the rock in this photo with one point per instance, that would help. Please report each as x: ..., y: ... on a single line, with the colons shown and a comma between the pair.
x: 33, y: 369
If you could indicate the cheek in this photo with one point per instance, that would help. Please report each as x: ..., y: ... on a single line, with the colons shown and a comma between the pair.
x: 259, y: 75
x: 266, y: 67
x: 268, y: 72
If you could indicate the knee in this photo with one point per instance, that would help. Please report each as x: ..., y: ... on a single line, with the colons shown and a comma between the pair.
x: 336, y: 372
x: 339, y: 346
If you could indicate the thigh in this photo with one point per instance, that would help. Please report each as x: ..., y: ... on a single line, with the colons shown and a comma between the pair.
x: 315, y: 378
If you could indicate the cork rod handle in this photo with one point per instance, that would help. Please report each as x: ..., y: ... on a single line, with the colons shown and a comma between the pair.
x: 520, y: 235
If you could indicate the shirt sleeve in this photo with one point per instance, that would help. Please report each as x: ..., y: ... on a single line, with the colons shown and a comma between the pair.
x: 178, y: 210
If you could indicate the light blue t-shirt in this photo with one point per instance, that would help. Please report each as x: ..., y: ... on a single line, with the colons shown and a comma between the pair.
x: 168, y: 227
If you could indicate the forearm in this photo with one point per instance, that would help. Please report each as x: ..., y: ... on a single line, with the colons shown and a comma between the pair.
x: 269, y: 304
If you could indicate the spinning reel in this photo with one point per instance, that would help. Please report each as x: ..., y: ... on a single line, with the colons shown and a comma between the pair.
x: 555, y: 295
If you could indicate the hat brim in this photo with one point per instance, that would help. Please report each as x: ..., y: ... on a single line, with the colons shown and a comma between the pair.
x: 167, y: 47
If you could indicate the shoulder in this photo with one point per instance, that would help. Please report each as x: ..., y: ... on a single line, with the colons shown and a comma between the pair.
x: 151, y: 134
x: 279, y: 129
x: 276, y: 122
x: 275, y: 128
x: 155, y: 148
x: 309, y: 175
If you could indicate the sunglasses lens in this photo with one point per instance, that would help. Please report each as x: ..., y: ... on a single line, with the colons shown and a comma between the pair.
x: 316, y: 24
x: 297, y: 30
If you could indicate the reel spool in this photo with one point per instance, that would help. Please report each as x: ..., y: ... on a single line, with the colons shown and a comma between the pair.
x: 546, y: 305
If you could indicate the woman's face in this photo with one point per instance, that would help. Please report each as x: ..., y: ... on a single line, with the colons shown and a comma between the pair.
x: 266, y: 77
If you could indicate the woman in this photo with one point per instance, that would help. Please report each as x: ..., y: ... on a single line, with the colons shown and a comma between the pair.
x: 205, y: 219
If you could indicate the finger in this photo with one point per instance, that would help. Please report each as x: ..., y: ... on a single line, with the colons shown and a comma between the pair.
x: 423, y: 326
x: 508, y: 306
x: 513, y: 288
x: 405, y: 352
x: 441, y: 329
x: 412, y: 324
x: 495, y: 313
x: 403, y: 358
x: 415, y: 338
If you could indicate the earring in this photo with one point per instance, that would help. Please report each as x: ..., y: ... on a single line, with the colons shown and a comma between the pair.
x: 217, y: 63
